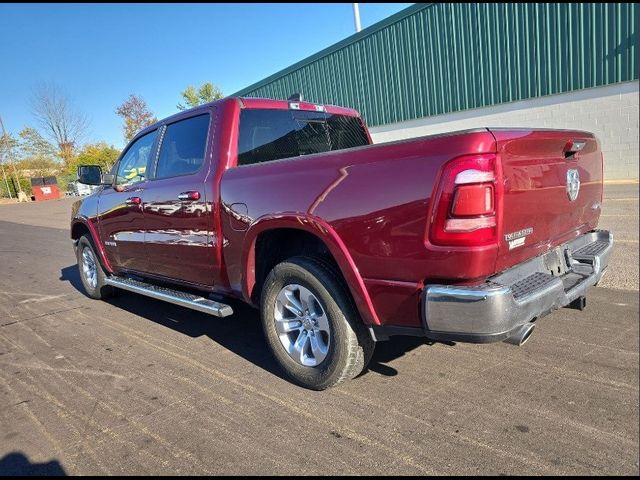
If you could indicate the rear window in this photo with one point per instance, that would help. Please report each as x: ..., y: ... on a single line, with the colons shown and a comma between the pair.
x: 267, y: 135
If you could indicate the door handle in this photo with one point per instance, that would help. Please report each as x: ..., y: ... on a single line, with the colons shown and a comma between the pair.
x: 189, y: 196
x: 133, y: 201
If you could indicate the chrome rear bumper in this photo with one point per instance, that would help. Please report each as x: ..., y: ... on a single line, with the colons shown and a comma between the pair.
x: 493, y: 311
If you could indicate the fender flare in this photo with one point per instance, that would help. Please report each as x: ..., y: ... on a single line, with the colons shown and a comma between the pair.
x: 325, y: 233
x: 84, y: 221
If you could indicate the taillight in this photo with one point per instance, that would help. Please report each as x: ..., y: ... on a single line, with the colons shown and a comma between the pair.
x: 473, y: 200
x: 465, y: 212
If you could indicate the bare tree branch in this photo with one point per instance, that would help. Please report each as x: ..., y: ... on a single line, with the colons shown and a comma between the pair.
x: 59, y: 121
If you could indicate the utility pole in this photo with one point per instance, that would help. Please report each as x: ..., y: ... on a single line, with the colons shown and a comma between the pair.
x: 356, y: 17
x: 22, y: 197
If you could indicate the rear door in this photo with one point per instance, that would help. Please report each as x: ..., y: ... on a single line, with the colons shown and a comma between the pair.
x: 552, y: 190
x: 120, y: 214
x: 177, y: 205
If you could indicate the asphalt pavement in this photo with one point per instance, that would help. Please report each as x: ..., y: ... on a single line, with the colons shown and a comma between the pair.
x: 137, y: 386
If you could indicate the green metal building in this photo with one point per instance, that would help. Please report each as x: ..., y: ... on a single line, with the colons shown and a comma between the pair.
x: 431, y: 61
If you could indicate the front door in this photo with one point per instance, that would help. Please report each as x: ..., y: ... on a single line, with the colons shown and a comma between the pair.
x: 178, y: 216
x: 120, y: 213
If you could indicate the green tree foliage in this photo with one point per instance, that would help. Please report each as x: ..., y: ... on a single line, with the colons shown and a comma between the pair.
x: 8, y: 145
x: 32, y: 156
x: 32, y: 145
x: 94, y: 154
x: 136, y: 115
x: 205, y: 93
x: 25, y: 184
x: 91, y: 154
x: 35, y: 156
x: 37, y: 167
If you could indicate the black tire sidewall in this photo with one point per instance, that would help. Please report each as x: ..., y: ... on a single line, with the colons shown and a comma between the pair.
x: 327, y: 291
x: 97, y: 292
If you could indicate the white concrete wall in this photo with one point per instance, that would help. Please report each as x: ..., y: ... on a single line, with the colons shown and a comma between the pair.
x: 610, y: 112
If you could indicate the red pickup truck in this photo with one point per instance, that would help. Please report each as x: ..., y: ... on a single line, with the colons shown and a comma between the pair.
x: 468, y: 236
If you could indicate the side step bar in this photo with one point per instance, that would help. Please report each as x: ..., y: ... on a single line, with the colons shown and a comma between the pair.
x: 194, y: 302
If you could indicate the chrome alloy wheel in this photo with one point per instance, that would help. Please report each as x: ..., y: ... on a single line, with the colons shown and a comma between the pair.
x: 302, y: 325
x: 89, y: 267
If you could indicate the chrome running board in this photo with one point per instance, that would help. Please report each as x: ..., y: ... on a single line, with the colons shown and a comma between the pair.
x: 188, y: 300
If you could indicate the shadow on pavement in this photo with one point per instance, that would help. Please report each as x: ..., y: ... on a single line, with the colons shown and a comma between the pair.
x: 72, y: 275
x: 17, y: 464
x: 393, y: 349
x: 240, y: 333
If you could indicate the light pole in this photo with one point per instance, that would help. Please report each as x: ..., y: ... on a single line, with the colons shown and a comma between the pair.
x: 356, y: 17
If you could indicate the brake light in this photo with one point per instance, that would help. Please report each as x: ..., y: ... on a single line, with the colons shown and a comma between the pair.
x: 473, y: 200
x: 465, y: 211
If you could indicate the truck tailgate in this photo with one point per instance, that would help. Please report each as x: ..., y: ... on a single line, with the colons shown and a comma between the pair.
x: 542, y: 171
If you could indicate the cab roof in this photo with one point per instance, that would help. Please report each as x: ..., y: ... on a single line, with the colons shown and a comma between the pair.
x: 254, y: 103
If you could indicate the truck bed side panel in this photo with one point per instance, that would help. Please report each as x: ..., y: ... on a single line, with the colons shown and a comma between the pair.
x: 376, y: 198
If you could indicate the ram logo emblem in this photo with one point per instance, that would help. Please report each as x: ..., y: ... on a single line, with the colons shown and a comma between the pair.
x: 573, y: 183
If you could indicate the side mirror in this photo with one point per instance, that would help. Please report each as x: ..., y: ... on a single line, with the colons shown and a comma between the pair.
x: 90, y: 174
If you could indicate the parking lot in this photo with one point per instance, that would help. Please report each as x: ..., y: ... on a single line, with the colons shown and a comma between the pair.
x: 137, y: 386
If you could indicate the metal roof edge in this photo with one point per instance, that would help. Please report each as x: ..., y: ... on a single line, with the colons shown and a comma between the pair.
x: 376, y: 27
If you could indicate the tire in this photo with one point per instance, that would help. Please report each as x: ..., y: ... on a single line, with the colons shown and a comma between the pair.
x: 324, y: 344
x: 94, y: 287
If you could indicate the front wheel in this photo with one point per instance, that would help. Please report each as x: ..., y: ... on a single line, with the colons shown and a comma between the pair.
x: 311, y: 324
x: 91, y: 272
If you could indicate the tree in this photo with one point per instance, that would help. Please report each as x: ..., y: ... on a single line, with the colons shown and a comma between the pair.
x: 94, y: 154
x: 7, y: 143
x: 207, y: 92
x: 9, y: 176
x: 37, y: 167
x: 64, y: 126
x: 34, y: 157
x: 136, y: 116
x: 33, y: 145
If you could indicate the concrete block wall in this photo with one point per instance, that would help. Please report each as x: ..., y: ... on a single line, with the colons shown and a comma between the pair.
x: 610, y: 112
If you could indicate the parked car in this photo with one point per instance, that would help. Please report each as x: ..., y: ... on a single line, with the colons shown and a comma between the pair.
x: 78, y: 188
x: 287, y: 205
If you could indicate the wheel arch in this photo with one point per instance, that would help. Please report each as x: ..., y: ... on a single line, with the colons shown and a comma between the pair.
x: 310, y: 235
x: 81, y: 226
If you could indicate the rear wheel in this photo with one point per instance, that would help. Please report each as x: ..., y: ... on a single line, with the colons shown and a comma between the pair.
x: 91, y: 273
x: 311, y: 324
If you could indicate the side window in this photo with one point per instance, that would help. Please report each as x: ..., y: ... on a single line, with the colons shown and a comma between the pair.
x: 132, y: 167
x: 183, y: 147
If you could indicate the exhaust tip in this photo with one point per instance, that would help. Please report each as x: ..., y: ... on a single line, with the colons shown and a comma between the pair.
x: 521, y: 335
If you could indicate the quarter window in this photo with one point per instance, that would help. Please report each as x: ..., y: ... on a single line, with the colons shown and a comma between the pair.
x: 183, y: 147
x: 132, y: 167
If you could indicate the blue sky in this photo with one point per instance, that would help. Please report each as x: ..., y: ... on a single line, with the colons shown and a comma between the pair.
x: 99, y: 54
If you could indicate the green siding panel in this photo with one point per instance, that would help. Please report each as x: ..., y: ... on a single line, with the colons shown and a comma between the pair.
x: 440, y: 58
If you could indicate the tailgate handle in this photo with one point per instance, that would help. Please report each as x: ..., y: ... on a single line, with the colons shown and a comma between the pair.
x: 573, y: 146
